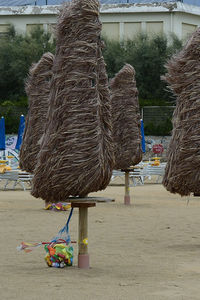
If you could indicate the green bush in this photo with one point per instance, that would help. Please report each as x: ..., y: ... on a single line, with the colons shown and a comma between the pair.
x: 11, y: 122
x: 152, y: 102
x: 148, y: 55
x: 17, y: 53
x: 11, y: 113
x: 160, y: 129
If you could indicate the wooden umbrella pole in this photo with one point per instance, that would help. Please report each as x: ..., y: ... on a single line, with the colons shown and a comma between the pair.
x: 127, y: 189
x: 83, y: 204
x: 83, y: 256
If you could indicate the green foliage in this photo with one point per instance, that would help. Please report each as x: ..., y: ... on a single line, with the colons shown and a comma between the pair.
x: 160, y: 129
x: 12, y: 114
x: 7, y: 103
x: 114, y: 56
x: 175, y: 45
x: 148, y: 55
x: 152, y: 102
x: 17, y: 53
x: 12, y: 123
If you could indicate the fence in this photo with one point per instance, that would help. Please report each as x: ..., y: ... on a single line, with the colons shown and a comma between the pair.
x: 157, y: 119
x: 157, y: 114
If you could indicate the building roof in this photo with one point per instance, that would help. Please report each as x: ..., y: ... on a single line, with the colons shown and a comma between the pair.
x: 57, y: 2
x: 106, y: 8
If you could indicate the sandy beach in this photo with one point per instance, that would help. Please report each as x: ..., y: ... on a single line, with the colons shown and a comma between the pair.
x: 148, y: 250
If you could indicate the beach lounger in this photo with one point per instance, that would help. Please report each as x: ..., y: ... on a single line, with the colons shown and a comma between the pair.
x: 9, y: 176
x: 24, y: 177
x: 17, y: 177
x: 158, y: 171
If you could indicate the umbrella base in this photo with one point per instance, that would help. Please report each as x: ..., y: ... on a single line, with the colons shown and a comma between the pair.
x: 127, y: 200
x: 83, y: 261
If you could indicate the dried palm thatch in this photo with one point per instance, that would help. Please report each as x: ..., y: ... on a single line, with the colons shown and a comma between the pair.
x: 126, y: 118
x: 105, y: 119
x: 37, y: 89
x: 183, y: 159
x: 76, y: 152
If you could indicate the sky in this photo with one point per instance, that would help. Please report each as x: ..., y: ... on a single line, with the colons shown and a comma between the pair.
x: 50, y: 2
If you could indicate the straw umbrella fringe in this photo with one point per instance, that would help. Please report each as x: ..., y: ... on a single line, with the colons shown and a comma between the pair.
x: 37, y: 89
x: 126, y: 118
x: 75, y: 157
x: 105, y: 119
x: 183, y: 159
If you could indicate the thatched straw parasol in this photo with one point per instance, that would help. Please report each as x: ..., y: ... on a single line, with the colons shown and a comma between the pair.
x: 75, y: 157
x: 37, y: 89
x: 183, y: 160
x: 105, y: 117
x: 126, y: 118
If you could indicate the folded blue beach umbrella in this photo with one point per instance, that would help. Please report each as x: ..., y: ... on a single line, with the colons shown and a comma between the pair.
x: 20, y: 132
x: 142, y: 134
x: 2, y: 134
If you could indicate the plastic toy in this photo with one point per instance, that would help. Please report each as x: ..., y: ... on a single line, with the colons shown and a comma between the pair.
x: 58, y: 206
x: 59, y: 252
x: 58, y: 255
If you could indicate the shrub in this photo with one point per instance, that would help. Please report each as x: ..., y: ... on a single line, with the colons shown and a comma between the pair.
x: 160, y: 129
x: 17, y: 53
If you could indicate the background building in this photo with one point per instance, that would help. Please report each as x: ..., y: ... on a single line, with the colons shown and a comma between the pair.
x: 55, y: 2
x: 120, y: 20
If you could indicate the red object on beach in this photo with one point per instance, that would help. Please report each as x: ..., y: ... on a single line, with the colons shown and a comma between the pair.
x: 158, y: 149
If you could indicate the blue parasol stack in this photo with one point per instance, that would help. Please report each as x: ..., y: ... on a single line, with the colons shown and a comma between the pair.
x: 20, y: 132
x: 2, y: 134
x: 143, y: 137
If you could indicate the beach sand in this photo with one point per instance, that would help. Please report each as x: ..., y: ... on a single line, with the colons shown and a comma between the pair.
x: 146, y: 251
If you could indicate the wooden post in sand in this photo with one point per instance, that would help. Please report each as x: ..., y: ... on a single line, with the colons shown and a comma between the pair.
x: 83, y: 204
x: 127, y: 189
x: 83, y: 256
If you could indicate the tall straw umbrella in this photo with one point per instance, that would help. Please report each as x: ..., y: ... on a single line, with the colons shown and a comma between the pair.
x: 183, y: 159
x: 105, y: 117
x: 74, y: 158
x: 37, y: 89
x: 125, y: 118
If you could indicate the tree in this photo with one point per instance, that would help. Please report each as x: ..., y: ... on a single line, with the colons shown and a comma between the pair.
x: 17, y: 53
x: 148, y: 55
